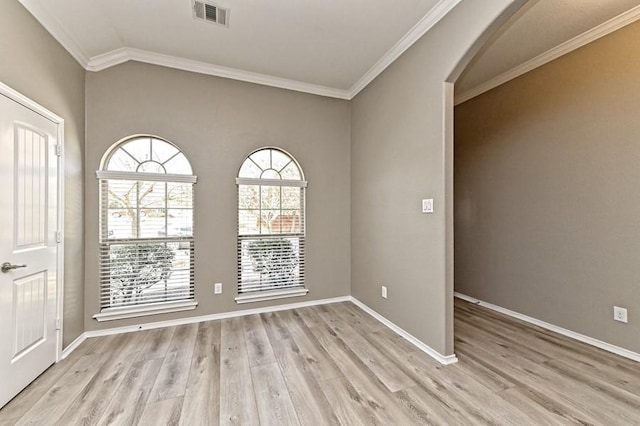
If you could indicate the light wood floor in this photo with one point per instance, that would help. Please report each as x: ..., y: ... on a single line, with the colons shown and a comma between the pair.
x: 332, y: 364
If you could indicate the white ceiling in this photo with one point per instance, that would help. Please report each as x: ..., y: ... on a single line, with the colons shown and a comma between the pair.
x: 327, y: 43
x: 327, y: 47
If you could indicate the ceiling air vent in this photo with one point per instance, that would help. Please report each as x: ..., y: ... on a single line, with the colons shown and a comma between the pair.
x: 210, y: 12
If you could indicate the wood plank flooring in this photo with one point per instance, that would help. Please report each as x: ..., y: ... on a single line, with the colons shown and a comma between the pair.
x: 327, y: 365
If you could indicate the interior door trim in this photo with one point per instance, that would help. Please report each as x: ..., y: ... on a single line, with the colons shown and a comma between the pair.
x: 59, y: 121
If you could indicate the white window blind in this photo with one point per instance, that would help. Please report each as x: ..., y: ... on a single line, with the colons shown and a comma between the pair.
x: 146, y: 225
x: 271, y: 222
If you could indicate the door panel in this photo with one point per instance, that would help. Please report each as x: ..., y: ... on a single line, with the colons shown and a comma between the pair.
x: 29, y: 302
x: 28, y: 222
x: 30, y: 219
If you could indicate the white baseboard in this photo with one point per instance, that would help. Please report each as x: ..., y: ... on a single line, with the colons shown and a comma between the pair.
x: 73, y: 346
x: 191, y: 320
x: 442, y: 359
x: 213, y: 317
x: 565, y: 332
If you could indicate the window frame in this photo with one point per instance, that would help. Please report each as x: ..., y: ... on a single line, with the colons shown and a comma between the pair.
x: 174, y: 300
x: 277, y: 291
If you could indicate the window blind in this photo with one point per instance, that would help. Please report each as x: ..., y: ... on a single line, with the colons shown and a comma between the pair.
x: 272, y: 262
x: 271, y: 223
x: 146, y: 243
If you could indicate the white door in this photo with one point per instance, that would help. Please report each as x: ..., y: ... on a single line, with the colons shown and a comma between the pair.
x: 28, y: 248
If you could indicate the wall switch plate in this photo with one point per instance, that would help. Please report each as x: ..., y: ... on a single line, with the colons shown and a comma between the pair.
x: 384, y: 292
x: 427, y: 205
x: 620, y: 314
x: 217, y: 288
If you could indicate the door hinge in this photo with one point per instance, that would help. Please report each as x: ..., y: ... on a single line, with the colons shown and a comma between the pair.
x: 58, y: 237
x: 58, y: 150
x: 58, y: 325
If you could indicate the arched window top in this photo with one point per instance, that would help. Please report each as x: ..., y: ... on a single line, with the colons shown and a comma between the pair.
x: 271, y: 164
x: 146, y: 154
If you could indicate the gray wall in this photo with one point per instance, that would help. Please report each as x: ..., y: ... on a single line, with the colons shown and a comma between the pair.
x: 34, y: 64
x: 547, y: 178
x: 398, y: 158
x: 217, y: 123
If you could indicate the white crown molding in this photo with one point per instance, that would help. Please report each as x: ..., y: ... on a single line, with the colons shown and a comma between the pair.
x: 568, y: 46
x: 53, y: 26
x: 425, y: 24
x: 119, y: 56
x: 568, y: 333
x: 442, y: 359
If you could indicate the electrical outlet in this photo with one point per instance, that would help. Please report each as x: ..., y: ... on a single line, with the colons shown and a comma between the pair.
x: 384, y: 292
x: 620, y: 314
x: 217, y: 288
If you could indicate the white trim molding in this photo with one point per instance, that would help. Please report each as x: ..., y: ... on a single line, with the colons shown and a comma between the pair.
x: 124, y: 54
x: 563, y: 331
x: 261, y: 296
x: 111, y: 314
x: 442, y: 359
x: 568, y: 46
x: 213, y: 317
x: 72, y: 346
x: 427, y: 22
x: 191, y: 320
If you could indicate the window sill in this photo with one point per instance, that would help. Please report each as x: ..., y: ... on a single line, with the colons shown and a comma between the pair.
x: 111, y: 314
x: 261, y: 296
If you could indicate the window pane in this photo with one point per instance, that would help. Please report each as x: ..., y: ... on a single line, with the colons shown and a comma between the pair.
x: 279, y: 160
x: 122, y: 209
x: 267, y: 222
x: 140, y: 149
x: 180, y: 217
x: 180, y: 223
x: 150, y: 167
x: 290, y: 222
x: 151, y: 195
x: 121, y: 194
x: 291, y: 197
x: 120, y: 161
x: 162, y: 151
x: 179, y: 195
x: 152, y: 226
x: 178, y: 165
x: 248, y: 222
x: 249, y: 170
x: 262, y: 158
x: 148, y: 155
x: 291, y: 172
x: 270, y: 197
x: 270, y: 174
x: 121, y: 224
x: 248, y: 196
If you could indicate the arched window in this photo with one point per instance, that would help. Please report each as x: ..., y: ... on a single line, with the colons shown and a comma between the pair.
x: 271, y: 226
x: 146, y: 229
